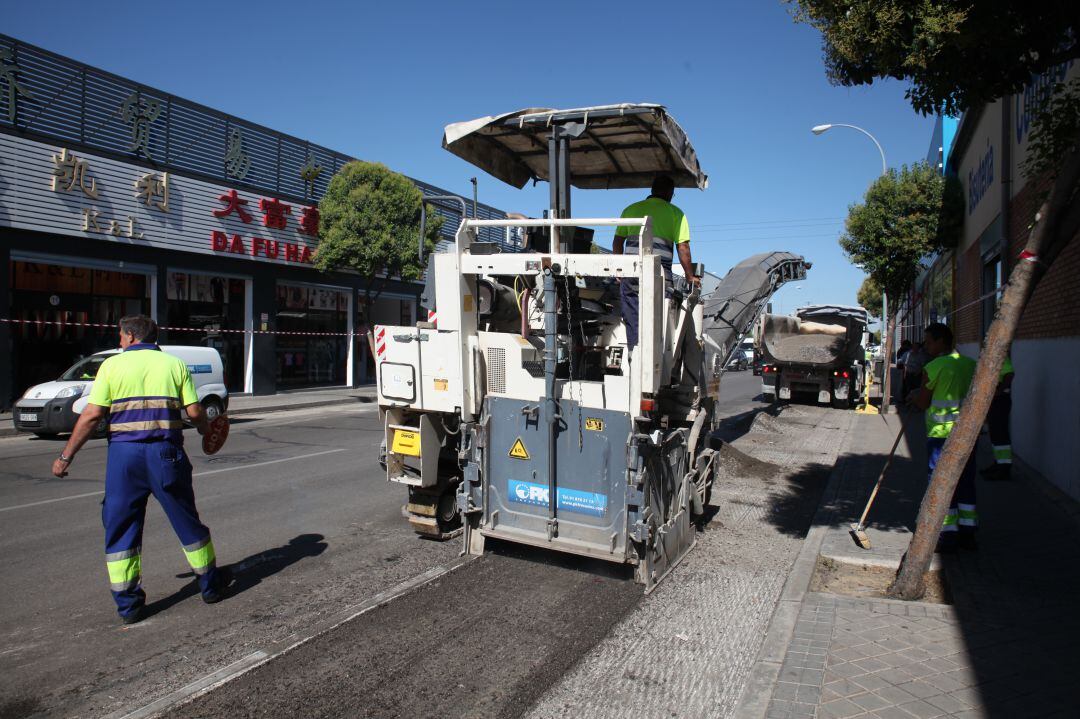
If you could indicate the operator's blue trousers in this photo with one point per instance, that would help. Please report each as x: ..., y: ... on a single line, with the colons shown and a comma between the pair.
x: 961, y: 515
x: 134, y: 471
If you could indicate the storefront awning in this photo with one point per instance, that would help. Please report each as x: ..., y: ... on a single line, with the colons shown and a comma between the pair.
x: 622, y: 146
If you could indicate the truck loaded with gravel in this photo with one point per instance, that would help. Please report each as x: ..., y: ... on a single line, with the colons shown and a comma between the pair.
x: 819, y: 351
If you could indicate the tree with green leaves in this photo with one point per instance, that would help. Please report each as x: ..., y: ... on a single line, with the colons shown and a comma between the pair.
x: 956, y: 57
x: 906, y: 216
x: 370, y: 223
x: 869, y: 297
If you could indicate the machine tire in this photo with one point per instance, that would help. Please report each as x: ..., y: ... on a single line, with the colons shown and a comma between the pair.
x: 447, y: 514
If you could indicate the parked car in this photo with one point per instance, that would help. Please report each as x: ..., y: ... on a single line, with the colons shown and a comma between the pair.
x: 51, y: 408
x: 740, y: 360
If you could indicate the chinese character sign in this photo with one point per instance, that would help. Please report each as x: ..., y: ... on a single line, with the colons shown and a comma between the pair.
x: 237, y: 163
x: 309, y: 221
x: 233, y: 203
x: 139, y: 113
x: 274, y: 212
x: 153, y: 191
x: 8, y: 71
x: 69, y: 173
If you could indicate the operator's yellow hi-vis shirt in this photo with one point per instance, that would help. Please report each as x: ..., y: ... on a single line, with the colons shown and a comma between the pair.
x: 668, y: 221
x: 144, y: 390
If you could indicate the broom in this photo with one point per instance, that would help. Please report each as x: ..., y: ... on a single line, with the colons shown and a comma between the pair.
x: 858, y: 530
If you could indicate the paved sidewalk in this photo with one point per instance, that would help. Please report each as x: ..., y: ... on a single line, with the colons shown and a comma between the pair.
x: 1006, y: 647
x: 249, y: 404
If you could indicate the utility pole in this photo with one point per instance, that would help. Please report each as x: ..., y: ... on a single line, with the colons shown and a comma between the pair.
x: 1055, y: 224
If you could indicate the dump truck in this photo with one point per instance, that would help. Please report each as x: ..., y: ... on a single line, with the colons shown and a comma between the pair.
x: 522, y: 414
x: 820, y: 351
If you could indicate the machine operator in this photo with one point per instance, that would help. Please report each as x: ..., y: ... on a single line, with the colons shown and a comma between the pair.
x: 670, y: 232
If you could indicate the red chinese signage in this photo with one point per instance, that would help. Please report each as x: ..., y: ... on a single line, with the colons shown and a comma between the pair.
x: 275, y: 216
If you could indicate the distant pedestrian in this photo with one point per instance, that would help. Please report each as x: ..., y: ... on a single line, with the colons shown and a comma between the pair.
x: 946, y: 380
x: 913, y: 366
x: 901, y: 360
x: 998, y: 421
x: 141, y: 391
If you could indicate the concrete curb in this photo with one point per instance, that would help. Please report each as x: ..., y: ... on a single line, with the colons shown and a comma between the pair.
x: 765, y: 671
x: 262, y: 656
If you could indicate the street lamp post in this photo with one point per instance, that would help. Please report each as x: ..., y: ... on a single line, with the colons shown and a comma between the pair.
x: 886, y: 380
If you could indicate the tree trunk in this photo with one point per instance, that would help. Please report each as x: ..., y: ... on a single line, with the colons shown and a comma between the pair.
x: 1045, y: 242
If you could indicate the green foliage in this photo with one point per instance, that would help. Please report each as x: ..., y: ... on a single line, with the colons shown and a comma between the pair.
x: 1055, y: 130
x: 957, y: 55
x: 869, y: 297
x: 370, y: 223
x: 907, y: 215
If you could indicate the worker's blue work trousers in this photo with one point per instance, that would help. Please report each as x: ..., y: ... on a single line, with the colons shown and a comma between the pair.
x: 134, y: 471
x: 628, y: 289
x: 961, y: 515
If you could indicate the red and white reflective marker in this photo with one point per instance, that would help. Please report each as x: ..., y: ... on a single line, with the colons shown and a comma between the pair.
x: 215, y: 437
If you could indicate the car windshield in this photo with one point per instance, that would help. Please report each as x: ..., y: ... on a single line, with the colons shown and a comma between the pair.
x: 86, y: 368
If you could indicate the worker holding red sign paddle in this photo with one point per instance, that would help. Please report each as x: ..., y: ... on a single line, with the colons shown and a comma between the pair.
x: 141, y: 391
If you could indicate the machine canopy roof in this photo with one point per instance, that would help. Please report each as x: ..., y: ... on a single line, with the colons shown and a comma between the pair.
x: 621, y: 146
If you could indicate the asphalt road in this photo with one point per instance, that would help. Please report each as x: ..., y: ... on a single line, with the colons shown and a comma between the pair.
x: 298, y: 505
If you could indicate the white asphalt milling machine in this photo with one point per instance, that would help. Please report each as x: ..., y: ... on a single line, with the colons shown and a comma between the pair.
x: 520, y: 414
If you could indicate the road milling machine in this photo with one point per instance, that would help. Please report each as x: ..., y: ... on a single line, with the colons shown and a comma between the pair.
x: 521, y: 413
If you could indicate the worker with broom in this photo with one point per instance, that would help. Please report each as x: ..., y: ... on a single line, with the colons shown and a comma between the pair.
x: 945, y: 382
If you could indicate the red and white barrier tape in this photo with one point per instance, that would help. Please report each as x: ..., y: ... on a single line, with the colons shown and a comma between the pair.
x: 106, y: 325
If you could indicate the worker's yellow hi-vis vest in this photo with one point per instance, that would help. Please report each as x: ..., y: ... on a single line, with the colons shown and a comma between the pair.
x: 949, y: 378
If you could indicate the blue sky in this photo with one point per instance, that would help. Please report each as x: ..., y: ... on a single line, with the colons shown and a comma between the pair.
x: 380, y: 80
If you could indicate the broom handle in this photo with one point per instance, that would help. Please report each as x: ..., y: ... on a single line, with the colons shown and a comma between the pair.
x: 881, y: 477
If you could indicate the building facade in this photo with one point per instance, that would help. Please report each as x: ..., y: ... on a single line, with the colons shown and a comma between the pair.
x: 116, y: 198
x: 962, y: 287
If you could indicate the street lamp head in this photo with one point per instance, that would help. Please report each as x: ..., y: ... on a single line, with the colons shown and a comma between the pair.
x: 818, y: 129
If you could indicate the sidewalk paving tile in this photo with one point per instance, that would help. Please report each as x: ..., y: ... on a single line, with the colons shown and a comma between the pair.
x: 1004, y: 648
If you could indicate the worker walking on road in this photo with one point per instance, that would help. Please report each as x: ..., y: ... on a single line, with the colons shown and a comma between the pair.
x: 141, y: 391
x: 945, y: 382
x: 998, y: 420
x: 671, y: 233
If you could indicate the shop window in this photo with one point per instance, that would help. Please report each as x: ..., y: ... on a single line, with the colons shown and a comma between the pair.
x: 58, y: 310
x: 991, y: 283
x: 209, y: 311
x: 312, y: 340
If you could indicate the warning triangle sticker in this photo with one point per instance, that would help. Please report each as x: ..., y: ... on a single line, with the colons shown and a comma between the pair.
x: 518, y: 451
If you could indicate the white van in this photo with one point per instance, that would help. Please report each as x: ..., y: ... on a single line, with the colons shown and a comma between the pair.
x: 50, y: 408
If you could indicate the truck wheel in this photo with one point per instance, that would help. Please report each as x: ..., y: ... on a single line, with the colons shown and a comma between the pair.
x: 841, y: 403
x: 213, y: 408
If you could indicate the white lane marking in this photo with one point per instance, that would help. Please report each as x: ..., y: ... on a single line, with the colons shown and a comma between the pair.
x: 196, y: 474
x: 50, y: 501
x: 272, y: 461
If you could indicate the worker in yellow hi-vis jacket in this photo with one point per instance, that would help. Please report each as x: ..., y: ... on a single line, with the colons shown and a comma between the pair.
x: 142, y: 391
